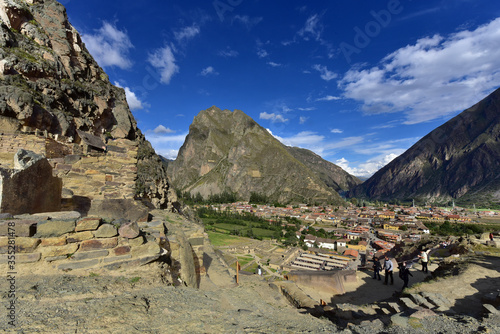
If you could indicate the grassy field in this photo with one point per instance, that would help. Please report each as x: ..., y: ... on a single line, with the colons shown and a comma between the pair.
x: 223, y: 239
x: 261, y: 232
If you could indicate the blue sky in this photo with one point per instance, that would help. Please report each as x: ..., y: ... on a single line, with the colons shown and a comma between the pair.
x: 357, y: 82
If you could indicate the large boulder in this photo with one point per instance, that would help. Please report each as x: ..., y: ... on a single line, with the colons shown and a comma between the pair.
x: 110, y: 209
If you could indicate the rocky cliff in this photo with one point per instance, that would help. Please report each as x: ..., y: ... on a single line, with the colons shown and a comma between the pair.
x: 50, y: 86
x: 458, y: 160
x: 229, y: 151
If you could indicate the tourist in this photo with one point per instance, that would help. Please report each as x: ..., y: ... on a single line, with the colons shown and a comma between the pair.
x: 491, y: 236
x: 376, y: 268
x: 388, y: 266
x: 404, y: 274
x: 259, y: 271
x: 424, y: 257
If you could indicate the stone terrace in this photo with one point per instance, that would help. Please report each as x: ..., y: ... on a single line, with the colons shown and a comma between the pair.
x: 97, y: 175
x: 65, y: 241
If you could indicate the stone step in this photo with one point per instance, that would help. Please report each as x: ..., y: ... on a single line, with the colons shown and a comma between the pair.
x: 437, y: 299
x: 420, y: 300
x: 407, y: 303
x: 395, y: 307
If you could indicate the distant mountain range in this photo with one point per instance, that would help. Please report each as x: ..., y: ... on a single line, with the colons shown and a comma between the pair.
x: 229, y: 151
x: 458, y: 160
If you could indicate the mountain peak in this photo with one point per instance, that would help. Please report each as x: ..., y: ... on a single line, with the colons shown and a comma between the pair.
x: 457, y: 160
x: 229, y: 151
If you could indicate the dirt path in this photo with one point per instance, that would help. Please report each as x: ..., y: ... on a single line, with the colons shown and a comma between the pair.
x: 366, y: 290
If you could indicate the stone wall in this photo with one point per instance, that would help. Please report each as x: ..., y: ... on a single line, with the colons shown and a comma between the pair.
x: 102, y: 175
x: 11, y: 143
x: 86, y: 177
x: 66, y: 242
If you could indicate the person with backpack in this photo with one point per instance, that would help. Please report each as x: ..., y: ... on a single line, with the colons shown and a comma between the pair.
x: 404, y: 273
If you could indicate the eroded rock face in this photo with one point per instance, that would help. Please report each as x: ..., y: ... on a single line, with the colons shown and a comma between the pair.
x: 50, y: 83
x: 30, y: 187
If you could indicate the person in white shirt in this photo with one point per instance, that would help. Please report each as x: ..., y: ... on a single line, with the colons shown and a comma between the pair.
x: 424, y: 257
x: 389, y: 267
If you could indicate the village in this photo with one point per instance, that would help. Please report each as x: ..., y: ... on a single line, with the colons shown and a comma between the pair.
x: 355, y: 234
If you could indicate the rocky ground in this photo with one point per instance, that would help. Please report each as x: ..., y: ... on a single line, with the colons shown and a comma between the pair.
x: 139, y: 301
x: 146, y: 300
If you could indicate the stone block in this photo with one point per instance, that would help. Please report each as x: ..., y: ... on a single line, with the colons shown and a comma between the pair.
x: 21, y: 228
x: 79, y: 236
x: 129, y: 230
x: 64, y: 250
x: 55, y: 258
x: 121, y: 250
x: 21, y: 258
x: 54, y: 228
x: 78, y: 264
x: 96, y: 244
x: 147, y: 249
x: 87, y: 224
x: 408, y: 303
x: 131, y: 263
x: 490, y: 309
x: 26, y: 245
x: 30, y: 187
x: 54, y: 241
x: 106, y: 231
x: 116, y: 258
x: 394, y: 307
x: 436, y: 299
x: 21, y: 244
x: 113, y: 208
x: 196, y: 241
x: 59, y: 215
x: 90, y: 255
x: 136, y: 241
x: 71, y: 159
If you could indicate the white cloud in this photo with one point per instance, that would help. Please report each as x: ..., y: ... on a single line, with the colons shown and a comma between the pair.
x: 109, y: 46
x: 337, y: 131
x: 312, y: 27
x: 228, y: 53
x: 164, y: 60
x: 208, y: 71
x: 367, y: 168
x: 133, y: 101
x: 160, y: 129
x: 328, y: 98
x: 167, y: 146
x: 435, y: 77
x: 248, y: 21
x: 275, y: 118
x: 186, y: 33
x: 262, y: 53
x: 325, y: 73
x: 303, y: 139
x: 307, y: 109
x: 303, y: 119
x: 273, y: 64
